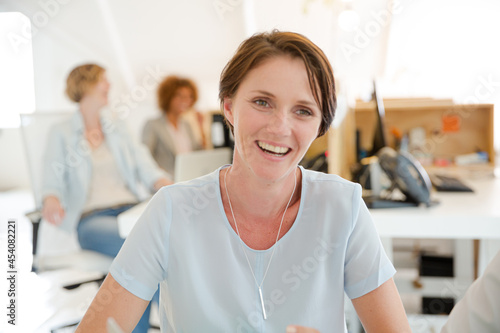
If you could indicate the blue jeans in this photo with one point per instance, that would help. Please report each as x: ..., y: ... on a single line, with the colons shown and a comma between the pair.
x: 98, y: 231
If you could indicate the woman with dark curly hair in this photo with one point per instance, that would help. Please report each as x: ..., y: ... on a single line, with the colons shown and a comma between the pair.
x: 171, y: 134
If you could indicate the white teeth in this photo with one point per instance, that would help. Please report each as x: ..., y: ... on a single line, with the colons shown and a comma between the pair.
x: 273, y: 149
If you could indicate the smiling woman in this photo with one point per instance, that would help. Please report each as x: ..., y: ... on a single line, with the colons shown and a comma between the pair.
x: 262, y: 245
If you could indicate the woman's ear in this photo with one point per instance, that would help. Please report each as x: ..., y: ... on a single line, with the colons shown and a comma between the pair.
x: 228, y: 110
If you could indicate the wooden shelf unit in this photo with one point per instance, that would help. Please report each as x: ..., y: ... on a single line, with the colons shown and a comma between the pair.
x: 473, y: 131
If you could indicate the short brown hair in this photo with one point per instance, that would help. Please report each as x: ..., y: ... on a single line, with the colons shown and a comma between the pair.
x: 169, y: 86
x: 81, y: 79
x: 256, y: 49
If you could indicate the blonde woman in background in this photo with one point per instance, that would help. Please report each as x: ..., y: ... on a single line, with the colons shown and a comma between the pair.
x: 87, y: 192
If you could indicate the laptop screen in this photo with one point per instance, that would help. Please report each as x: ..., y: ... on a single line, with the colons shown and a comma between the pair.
x: 201, y: 162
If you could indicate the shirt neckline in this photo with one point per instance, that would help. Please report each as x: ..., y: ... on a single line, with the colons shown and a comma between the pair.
x: 235, y: 235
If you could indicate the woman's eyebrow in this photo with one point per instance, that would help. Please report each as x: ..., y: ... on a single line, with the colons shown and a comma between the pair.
x: 303, y: 101
x: 307, y: 103
x: 263, y: 92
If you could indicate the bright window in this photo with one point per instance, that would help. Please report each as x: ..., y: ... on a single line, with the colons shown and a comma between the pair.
x: 445, y: 49
x: 17, y: 89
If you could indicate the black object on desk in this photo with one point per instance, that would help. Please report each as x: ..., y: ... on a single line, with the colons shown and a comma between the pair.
x: 449, y: 184
x: 375, y: 202
x: 378, y: 202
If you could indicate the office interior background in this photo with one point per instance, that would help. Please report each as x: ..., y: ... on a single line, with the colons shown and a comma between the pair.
x: 415, y: 49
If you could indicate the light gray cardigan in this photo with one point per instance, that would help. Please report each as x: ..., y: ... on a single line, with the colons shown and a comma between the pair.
x: 161, y: 144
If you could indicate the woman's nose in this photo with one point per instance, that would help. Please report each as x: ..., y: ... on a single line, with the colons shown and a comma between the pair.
x: 279, y: 123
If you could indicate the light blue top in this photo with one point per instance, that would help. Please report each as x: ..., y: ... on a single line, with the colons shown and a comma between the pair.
x: 185, y: 242
x: 67, y: 165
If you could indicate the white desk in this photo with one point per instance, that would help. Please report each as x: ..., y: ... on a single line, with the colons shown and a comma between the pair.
x: 457, y: 216
x: 128, y: 219
x: 462, y: 215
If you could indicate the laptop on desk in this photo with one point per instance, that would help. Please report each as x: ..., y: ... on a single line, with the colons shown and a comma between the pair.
x: 201, y: 162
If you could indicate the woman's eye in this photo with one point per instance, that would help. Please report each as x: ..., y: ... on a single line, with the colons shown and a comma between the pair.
x: 261, y: 102
x: 304, y: 112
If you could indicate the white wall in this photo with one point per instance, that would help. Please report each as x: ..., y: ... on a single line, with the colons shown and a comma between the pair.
x: 446, y: 49
x: 134, y: 39
x: 13, y: 168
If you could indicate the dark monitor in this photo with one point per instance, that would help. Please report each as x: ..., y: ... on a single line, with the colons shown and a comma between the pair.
x: 379, y: 140
x: 220, y: 132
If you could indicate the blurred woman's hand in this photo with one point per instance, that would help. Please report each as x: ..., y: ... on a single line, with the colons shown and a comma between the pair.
x: 52, y: 210
x: 300, y: 329
x: 161, y: 182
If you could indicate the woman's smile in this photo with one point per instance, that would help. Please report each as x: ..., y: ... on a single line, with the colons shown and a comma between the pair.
x: 273, y: 150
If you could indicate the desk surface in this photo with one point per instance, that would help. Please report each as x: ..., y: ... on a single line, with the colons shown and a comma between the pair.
x: 127, y: 219
x: 459, y: 215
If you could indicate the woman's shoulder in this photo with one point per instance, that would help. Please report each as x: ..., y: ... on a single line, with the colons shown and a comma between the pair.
x: 330, y: 185
x: 208, y: 184
x: 154, y: 124
x: 327, y: 179
x: 153, y: 121
x: 65, y: 127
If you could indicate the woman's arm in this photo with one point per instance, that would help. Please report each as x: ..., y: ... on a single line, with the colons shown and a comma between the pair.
x: 161, y: 182
x: 112, y: 300
x: 150, y: 137
x: 137, y: 158
x: 381, y: 310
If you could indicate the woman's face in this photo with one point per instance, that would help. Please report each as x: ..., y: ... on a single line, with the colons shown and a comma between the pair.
x: 275, y: 117
x: 182, y: 100
x: 99, y: 91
